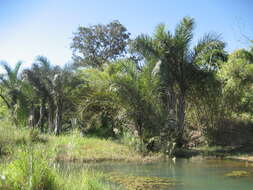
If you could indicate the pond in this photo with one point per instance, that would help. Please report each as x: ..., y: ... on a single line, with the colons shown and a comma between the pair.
x: 182, y: 174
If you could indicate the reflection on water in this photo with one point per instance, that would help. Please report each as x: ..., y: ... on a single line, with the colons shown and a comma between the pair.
x: 183, y: 174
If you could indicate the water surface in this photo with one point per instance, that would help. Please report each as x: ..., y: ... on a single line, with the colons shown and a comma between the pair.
x: 183, y: 174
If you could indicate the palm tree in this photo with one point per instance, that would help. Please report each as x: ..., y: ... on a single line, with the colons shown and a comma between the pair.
x: 136, y: 90
x: 40, y: 76
x: 51, y: 84
x: 11, y: 91
x: 176, y: 63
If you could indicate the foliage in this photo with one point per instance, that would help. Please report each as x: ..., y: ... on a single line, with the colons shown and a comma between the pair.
x: 237, y: 78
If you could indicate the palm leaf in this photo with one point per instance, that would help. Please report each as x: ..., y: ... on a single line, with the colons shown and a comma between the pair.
x: 44, y: 62
x: 184, y: 33
x: 16, y: 69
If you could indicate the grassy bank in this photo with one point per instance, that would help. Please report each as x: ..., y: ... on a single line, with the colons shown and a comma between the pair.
x: 73, y: 147
x: 70, y: 147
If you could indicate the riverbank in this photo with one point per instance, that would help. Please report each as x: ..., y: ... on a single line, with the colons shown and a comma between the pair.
x: 227, y: 152
x: 248, y: 158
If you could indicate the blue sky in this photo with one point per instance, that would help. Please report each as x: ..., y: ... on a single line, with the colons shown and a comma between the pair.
x: 45, y: 27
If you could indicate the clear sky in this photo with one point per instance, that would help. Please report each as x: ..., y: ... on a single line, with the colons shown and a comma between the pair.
x: 45, y: 27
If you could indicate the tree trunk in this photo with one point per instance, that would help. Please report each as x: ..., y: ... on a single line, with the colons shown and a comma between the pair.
x: 180, y: 119
x: 171, y: 99
x: 40, y: 122
x: 51, y: 116
x: 58, y: 117
x: 31, y: 119
x: 171, y: 110
x: 181, y: 112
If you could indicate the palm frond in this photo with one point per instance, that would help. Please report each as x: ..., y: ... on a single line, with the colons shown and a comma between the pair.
x: 209, y: 40
x: 160, y: 32
x: 44, y: 62
x: 209, y: 52
x: 6, y: 67
x: 144, y: 45
x: 17, y: 68
x: 184, y: 32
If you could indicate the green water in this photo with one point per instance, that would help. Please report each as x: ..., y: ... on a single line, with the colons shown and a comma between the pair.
x: 186, y: 174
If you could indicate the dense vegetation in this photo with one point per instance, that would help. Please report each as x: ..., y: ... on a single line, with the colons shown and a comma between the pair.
x: 156, y: 93
x: 152, y: 86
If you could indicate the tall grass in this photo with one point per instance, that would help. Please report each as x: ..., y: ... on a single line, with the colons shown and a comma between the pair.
x: 11, y: 138
x: 85, y: 179
x: 28, y: 171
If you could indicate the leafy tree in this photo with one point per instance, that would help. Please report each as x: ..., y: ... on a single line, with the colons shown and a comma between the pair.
x: 237, y: 77
x: 205, y: 107
x: 95, y: 45
x: 218, y: 95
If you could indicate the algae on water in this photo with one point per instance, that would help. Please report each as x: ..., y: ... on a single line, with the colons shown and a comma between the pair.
x: 238, y: 173
x: 142, y: 182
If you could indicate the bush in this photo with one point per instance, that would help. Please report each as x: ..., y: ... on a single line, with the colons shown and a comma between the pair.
x: 133, y: 141
x: 28, y: 171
